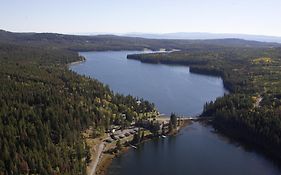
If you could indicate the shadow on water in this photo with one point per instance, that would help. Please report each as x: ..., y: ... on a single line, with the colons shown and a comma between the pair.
x: 198, y: 149
x: 248, y: 147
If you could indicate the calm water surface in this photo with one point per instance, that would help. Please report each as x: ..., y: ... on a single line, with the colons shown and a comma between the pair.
x: 171, y: 88
x: 197, y: 150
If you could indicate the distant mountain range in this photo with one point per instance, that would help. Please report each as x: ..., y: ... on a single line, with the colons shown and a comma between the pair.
x: 195, y: 36
x: 181, y: 41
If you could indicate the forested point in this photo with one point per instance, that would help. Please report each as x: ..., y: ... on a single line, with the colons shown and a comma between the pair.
x: 251, y: 112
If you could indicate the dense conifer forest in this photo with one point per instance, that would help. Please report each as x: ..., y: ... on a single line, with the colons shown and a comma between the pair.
x: 44, y: 107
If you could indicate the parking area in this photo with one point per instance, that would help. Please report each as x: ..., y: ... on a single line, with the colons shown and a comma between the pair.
x: 121, y: 134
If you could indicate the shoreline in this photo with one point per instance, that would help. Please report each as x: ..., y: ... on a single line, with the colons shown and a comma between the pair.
x: 106, y: 159
x: 192, y: 69
x: 101, y: 160
x: 82, y: 59
x: 75, y: 62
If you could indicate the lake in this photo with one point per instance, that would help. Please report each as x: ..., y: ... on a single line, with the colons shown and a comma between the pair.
x: 170, y: 88
x: 197, y: 150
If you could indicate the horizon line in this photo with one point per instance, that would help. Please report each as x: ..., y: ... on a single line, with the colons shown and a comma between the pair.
x: 142, y: 33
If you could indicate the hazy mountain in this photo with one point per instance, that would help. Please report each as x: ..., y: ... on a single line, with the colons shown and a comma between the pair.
x: 114, y: 42
x: 195, y: 35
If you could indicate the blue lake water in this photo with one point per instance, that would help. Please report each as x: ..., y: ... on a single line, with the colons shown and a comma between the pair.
x: 171, y: 88
x: 197, y: 150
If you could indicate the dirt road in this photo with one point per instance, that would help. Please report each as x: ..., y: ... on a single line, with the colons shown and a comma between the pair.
x: 95, y: 162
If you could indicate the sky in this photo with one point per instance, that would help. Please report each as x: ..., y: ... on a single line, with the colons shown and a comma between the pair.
x: 262, y: 17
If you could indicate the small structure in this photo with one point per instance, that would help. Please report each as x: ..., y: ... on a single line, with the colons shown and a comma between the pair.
x: 138, y: 102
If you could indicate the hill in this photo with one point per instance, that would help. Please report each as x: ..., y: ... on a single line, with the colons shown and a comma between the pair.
x: 112, y: 42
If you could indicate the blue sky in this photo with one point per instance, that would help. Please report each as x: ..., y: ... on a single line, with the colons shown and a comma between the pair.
x: 146, y: 16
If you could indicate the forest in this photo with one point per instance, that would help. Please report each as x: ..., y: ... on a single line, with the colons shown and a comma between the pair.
x: 44, y: 106
x: 251, y: 112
